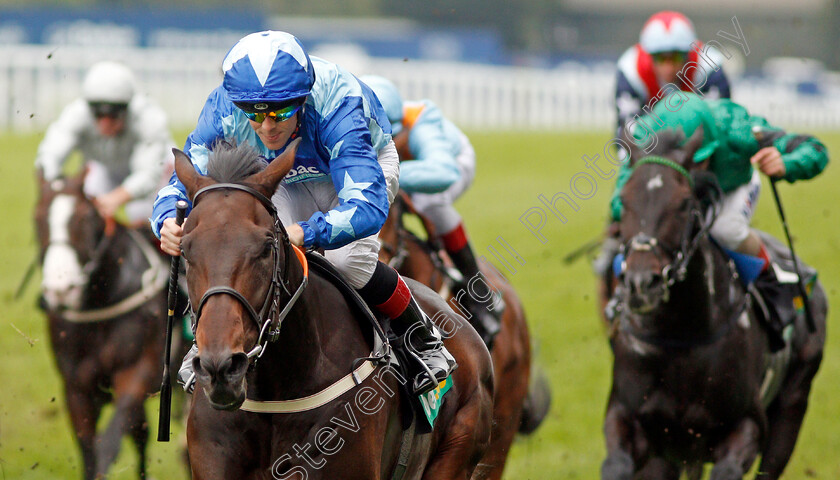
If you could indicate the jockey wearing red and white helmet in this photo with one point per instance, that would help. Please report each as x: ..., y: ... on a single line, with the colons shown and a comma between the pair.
x: 345, y: 175
x: 122, y: 136
x: 668, y: 52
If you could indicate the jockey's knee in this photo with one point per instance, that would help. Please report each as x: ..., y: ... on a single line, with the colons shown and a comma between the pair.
x: 356, y: 261
x: 443, y: 216
x: 730, y: 233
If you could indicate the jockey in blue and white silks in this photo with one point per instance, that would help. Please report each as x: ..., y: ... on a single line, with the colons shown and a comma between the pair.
x: 342, y: 131
x: 345, y: 175
x: 438, y: 166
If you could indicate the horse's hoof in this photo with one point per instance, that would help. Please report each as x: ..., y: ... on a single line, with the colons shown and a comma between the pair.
x: 618, y: 466
x: 726, y: 471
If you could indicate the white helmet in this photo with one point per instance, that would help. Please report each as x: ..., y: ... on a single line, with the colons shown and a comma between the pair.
x: 667, y: 31
x: 108, y: 82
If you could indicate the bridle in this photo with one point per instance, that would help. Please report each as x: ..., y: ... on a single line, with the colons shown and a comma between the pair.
x: 695, y: 230
x: 270, y: 318
x: 98, y: 252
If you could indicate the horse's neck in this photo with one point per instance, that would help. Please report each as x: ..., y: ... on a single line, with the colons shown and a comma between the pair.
x: 106, y: 285
x: 118, y: 273
x: 699, y: 303
x: 314, y: 348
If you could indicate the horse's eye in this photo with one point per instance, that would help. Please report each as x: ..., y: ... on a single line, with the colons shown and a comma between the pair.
x: 267, y: 248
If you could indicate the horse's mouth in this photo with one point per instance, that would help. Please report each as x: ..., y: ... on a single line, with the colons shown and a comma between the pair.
x: 643, y: 304
x: 57, y: 300
x: 224, y: 400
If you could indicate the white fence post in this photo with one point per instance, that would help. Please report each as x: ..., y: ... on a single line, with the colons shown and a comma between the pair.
x: 36, y: 81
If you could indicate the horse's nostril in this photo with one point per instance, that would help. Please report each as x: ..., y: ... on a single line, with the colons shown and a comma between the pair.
x: 198, y: 368
x: 221, y: 368
x: 656, y: 280
x: 238, y: 365
x: 642, y: 282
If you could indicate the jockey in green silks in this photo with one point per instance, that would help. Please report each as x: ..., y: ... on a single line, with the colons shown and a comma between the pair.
x: 735, y: 156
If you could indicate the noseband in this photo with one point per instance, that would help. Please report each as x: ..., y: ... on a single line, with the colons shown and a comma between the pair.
x: 268, y: 319
x: 676, y: 270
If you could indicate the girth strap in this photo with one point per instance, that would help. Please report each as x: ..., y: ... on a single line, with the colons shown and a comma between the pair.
x: 405, y: 450
x: 316, y: 400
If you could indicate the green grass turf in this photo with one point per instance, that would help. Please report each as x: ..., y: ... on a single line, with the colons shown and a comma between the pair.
x: 36, y: 441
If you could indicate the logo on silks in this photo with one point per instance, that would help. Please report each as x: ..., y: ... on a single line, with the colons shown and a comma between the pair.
x: 809, y: 289
x: 432, y: 401
x: 260, y: 106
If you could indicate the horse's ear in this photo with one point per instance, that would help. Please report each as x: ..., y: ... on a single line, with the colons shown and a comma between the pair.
x: 184, y: 169
x: 276, y: 170
x: 43, y: 184
x: 694, y: 142
x: 76, y: 183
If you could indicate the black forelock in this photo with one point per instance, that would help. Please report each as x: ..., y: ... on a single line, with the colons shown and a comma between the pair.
x: 667, y: 141
x: 232, y: 162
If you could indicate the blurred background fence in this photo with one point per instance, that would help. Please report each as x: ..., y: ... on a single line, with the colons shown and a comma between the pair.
x: 36, y: 81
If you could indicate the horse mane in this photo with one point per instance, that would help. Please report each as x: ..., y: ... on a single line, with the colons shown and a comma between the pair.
x: 232, y: 162
x: 667, y: 141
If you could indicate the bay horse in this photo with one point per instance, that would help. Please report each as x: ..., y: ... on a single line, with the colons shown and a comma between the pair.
x: 104, y: 296
x: 523, y: 394
x: 275, y: 402
x: 692, y: 365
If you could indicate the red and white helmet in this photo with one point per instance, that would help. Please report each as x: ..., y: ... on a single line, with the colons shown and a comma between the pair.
x: 667, y: 31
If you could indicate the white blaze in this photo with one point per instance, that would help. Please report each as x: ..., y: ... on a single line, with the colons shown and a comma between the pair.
x: 655, y: 182
x: 63, y: 277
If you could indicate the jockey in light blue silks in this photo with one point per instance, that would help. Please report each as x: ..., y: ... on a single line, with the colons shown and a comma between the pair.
x: 345, y: 174
x: 438, y: 166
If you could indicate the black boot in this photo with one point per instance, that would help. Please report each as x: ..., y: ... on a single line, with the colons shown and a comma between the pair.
x: 421, y: 342
x: 485, y: 321
x: 779, y: 300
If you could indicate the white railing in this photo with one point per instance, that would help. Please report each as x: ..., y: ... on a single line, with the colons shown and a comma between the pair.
x: 37, y: 81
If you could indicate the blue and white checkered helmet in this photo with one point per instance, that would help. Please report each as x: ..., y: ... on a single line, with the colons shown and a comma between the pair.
x: 270, y: 67
x: 389, y: 97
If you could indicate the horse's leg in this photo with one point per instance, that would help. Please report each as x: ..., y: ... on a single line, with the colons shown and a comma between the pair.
x: 512, y: 384
x: 735, y: 455
x: 694, y: 471
x: 219, y: 442
x: 657, y: 468
x: 618, y: 432
x: 140, y: 436
x: 84, y: 409
x: 785, y: 417
x: 466, y: 439
x: 130, y: 389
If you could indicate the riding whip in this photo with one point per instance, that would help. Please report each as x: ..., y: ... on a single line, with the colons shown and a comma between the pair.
x: 166, y: 384
x: 758, y: 133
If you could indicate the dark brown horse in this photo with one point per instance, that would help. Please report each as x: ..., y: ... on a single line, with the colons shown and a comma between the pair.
x: 522, y: 396
x: 103, y: 292
x: 239, y: 258
x: 692, y: 375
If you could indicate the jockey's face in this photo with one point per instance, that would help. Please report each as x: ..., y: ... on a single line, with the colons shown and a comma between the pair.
x: 667, y: 65
x: 110, y: 126
x: 274, y: 134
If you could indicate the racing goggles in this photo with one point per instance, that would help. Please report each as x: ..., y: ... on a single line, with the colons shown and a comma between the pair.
x: 675, y: 57
x: 264, y: 110
x: 107, y: 109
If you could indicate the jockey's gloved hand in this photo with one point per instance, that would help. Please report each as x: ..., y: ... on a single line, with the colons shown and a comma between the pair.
x: 186, y: 375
